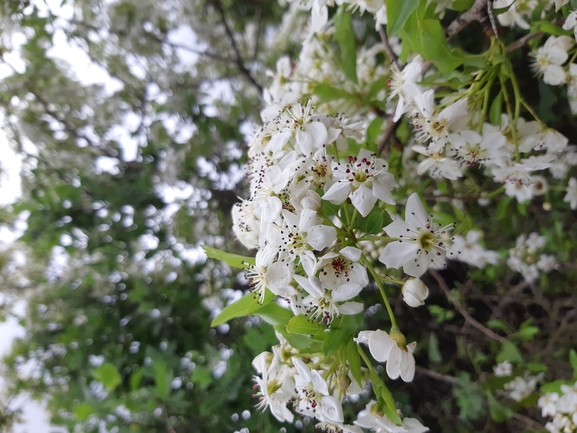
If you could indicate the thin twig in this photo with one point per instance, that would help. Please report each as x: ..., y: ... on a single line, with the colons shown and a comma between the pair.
x: 468, y: 318
x: 239, y: 60
x: 388, y: 134
x: 522, y: 41
x: 528, y: 422
x: 388, y: 50
x: 438, y: 376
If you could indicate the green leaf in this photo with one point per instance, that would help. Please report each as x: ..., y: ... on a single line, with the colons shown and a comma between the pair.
x: 527, y: 331
x: 398, y: 11
x: 549, y: 28
x: 426, y: 37
x: 162, y: 379
x: 243, y: 307
x: 573, y: 362
x: 373, y: 224
x: 297, y: 341
x: 462, y: 5
x: 509, y: 352
x: 376, y: 87
x: 555, y: 386
x: 499, y: 412
x: 330, y: 93
x: 274, y: 314
x: 83, y: 411
x: 354, y: 361
x: 496, y: 110
x: 498, y: 324
x: 346, y: 39
x: 502, y: 211
x: 302, y: 325
x: 201, y: 377
x: 340, y: 333
x: 434, y: 352
x: 135, y: 379
x: 522, y: 208
x: 234, y: 260
x: 385, y: 398
x: 374, y: 129
x: 108, y: 374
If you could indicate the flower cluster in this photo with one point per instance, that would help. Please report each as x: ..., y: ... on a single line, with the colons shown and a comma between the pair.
x: 562, y: 406
x: 286, y: 380
x: 526, y: 258
x: 317, y: 182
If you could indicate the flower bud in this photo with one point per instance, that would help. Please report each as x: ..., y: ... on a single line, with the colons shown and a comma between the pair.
x: 415, y: 292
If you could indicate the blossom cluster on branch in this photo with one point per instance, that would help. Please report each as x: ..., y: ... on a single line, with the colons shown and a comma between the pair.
x: 325, y: 188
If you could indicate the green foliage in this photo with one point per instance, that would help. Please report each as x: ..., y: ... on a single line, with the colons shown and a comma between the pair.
x: 246, y: 305
x: 346, y: 39
x: 108, y: 374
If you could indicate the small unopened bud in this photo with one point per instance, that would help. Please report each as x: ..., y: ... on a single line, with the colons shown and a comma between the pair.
x: 415, y: 292
x: 344, y: 381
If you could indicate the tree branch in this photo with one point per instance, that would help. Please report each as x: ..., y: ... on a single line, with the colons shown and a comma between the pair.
x: 522, y: 41
x: 239, y: 60
x: 388, y: 50
x: 478, y: 12
x: 388, y: 134
x: 468, y: 318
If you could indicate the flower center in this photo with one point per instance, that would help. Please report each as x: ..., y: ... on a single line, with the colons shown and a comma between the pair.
x: 426, y: 240
x: 339, y: 265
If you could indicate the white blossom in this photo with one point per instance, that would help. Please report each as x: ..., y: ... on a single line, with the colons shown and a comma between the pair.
x: 421, y: 242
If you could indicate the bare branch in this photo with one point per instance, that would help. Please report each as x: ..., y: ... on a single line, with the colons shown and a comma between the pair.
x: 522, y: 41
x: 438, y: 376
x: 468, y: 318
x: 478, y: 12
x: 387, y: 136
x: 239, y: 60
x: 388, y: 50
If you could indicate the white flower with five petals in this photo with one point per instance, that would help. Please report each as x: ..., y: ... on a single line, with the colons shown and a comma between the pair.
x: 421, y: 242
x: 364, y: 179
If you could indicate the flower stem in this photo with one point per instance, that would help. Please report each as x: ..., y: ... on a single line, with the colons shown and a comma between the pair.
x: 377, y: 279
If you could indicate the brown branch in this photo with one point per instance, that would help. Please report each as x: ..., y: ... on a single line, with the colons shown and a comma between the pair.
x: 522, y: 41
x: 388, y: 134
x: 528, y: 422
x: 477, y: 12
x: 239, y: 60
x: 468, y: 318
x: 437, y: 376
x: 388, y: 50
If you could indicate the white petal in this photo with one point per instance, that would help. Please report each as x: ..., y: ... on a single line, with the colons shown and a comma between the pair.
x: 407, y: 366
x: 415, y: 214
x: 338, y: 193
x: 397, y: 254
x: 332, y: 409
x: 307, y: 220
x: 351, y: 253
x: 364, y: 337
x: 318, y: 132
x: 309, y: 262
x: 394, y: 362
x: 346, y: 291
x: 305, y: 142
x: 279, y: 275
x: 350, y: 308
x: 320, y: 237
x: 364, y: 200
x: 418, y: 266
x: 381, y: 345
